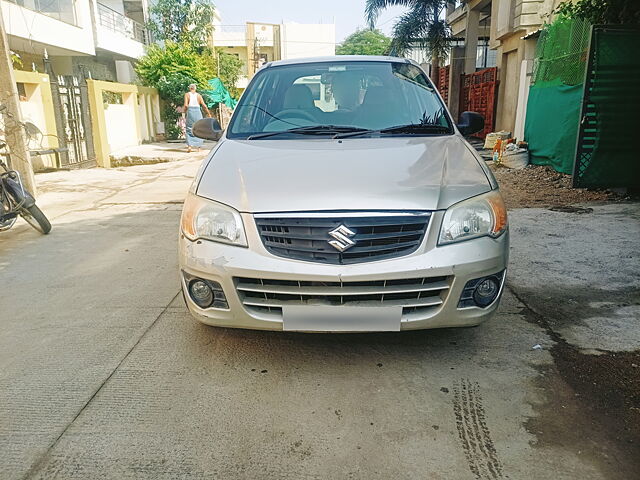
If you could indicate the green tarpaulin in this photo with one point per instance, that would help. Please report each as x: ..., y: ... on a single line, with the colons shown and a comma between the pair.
x: 217, y: 93
x: 553, y: 113
x: 555, y: 96
x: 607, y: 153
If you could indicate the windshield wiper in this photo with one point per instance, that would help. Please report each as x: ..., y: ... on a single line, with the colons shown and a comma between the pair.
x: 311, y: 130
x: 408, y: 128
x: 417, y: 128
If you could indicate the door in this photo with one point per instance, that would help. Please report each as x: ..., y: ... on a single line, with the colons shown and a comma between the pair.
x: 73, y: 134
x: 511, y: 65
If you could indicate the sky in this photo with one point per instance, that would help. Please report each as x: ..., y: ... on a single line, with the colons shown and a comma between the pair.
x: 348, y: 14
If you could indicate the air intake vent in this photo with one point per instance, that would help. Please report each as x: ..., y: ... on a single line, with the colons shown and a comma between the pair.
x: 413, y: 294
x: 343, y: 240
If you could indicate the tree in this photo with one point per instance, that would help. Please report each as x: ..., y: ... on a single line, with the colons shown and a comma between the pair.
x: 228, y: 69
x: 182, y: 21
x: 422, y: 25
x: 602, y: 11
x: 365, y: 42
x: 184, y: 27
x: 170, y: 68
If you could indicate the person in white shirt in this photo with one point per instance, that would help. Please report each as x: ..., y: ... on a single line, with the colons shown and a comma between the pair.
x: 193, y: 105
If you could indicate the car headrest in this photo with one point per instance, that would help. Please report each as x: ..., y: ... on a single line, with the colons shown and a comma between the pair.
x: 376, y: 96
x: 298, y: 96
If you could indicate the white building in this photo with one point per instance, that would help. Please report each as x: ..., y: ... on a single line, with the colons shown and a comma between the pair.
x: 259, y: 43
x: 100, y: 37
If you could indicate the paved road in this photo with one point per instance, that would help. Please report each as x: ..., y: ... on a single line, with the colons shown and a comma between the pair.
x: 103, y: 374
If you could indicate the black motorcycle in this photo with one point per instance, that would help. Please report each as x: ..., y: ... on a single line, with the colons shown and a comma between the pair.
x: 15, y: 200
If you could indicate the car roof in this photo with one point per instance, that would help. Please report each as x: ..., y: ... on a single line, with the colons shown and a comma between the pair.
x: 339, y: 58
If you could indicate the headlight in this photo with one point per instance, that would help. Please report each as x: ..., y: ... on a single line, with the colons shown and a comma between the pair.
x: 208, y: 220
x: 484, y: 215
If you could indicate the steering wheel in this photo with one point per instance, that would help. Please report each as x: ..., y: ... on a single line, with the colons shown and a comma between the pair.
x: 293, y: 113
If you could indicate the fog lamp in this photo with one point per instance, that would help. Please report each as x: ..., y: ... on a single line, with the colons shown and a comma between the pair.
x: 481, y: 292
x: 205, y: 293
x: 201, y: 293
x: 486, y: 292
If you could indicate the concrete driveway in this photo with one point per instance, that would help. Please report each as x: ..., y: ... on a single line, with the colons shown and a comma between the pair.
x: 103, y: 373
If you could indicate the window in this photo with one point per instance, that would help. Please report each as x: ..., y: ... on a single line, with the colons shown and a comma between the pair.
x: 485, y: 57
x: 63, y: 10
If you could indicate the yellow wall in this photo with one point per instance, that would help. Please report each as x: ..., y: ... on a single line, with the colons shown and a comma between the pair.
x: 140, y: 111
x: 37, y: 108
x: 119, y: 126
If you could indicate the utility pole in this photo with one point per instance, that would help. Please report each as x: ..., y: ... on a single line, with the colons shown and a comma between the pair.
x: 14, y: 133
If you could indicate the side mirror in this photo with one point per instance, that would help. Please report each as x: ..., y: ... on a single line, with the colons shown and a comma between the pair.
x: 207, y: 128
x: 470, y: 122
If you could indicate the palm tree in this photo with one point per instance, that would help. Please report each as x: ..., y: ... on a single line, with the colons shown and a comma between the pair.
x: 422, y: 25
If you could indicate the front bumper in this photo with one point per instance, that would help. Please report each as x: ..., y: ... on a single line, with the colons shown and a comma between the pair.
x: 458, y: 263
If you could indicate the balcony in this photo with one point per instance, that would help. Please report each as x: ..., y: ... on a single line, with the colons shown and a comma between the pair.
x: 117, y: 22
x: 251, y: 34
x: 63, y: 10
x: 119, y: 34
x: 230, y: 35
x: 62, y: 27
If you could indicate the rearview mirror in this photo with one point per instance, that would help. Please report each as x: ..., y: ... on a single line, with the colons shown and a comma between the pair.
x: 207, y: 128
x: 470, y: 122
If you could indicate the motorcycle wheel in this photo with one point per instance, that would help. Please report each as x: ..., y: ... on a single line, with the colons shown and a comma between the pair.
x: 34, y: 217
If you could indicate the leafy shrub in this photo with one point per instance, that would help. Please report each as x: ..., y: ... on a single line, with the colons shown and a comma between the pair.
x: 171, y: 117
x: 173, y: 67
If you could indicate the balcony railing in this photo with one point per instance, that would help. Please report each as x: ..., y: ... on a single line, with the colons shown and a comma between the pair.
x: 117, y: 22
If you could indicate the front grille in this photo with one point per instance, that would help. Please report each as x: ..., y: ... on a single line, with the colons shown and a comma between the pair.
x: 376, y: 237
x: 414, y: 295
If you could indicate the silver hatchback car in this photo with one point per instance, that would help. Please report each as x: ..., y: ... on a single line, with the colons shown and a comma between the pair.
x: 343, y: 198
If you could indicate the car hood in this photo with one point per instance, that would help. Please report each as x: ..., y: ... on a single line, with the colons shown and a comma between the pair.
x: 398, y: 173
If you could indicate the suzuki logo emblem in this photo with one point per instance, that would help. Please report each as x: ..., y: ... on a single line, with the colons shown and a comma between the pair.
x: 342, y: 240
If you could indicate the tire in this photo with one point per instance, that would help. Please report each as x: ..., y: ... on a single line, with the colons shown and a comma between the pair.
x: 34, y: 217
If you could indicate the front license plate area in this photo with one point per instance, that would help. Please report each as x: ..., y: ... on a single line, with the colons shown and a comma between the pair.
x: 340, y: 318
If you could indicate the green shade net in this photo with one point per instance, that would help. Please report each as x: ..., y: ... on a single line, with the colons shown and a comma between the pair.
x: 608, y: 153
x: 553, y: 113
x: 555, y: 96
x: 217, y: 93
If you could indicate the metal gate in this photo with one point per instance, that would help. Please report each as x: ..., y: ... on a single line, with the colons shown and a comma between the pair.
x: 607, y: 150
x: 74, y: 119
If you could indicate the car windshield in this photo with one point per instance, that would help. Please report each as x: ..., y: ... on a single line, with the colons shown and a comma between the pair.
x: 336, y: 98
